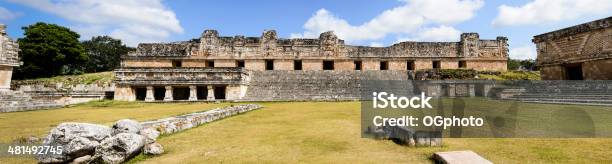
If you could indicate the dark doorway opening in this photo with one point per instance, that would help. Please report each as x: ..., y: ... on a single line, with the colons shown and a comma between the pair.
x: 436, y: 65
x: 574, y: 72
x: 141, y: 94
x: 177, y: 63
x: 240, y: 63
x: 180, y: 93
x: 297, y: 65
x: 384, y: 65
x: 210, y: 63
x: 269, y: 64
x: 328, y: 65
x: 159, y: 93
x: 462, y: 64
x: 219, y: 92
x: 410, y: 65
x: 202, y: 92
x: 357, y: 65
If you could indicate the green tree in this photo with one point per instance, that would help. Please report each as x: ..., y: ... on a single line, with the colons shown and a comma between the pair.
x: 513, y: 64
x: 527, y: 64
x: 49, y: 50
x: 104, y: 53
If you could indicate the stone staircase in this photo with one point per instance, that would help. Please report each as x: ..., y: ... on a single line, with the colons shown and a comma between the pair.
x: 12, y: 101
x: 313, y: 85
x: 562, y: 92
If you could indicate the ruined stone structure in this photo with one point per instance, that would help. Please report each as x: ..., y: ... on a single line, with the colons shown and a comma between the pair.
x: 9, y: 58
x: 215, y: 67
x: 582, y: 52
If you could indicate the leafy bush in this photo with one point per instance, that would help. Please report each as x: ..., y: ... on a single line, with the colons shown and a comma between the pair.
x: 513, y: 75
x: 443, y: 74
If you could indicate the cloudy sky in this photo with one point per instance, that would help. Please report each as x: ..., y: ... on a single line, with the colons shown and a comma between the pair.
x: 359, y: 22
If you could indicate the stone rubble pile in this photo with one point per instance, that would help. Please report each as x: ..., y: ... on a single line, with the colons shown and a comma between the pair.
x: 183, y: 122
x: 407, y: 136
x: 91, y: 143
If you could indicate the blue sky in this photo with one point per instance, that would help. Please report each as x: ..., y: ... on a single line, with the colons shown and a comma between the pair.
x: 359, y: 22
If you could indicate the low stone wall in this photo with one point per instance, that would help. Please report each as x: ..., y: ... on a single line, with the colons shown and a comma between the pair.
x: 38, y: 96
x: 92, y: 143
x: 179, y: 123
x: 68, y: 95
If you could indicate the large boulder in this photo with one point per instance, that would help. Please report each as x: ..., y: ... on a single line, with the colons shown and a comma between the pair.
x: 119, y: 148
x: 150, y: 134
x: 153, y: 149
x: 76, y: 140
x: 126, y: 126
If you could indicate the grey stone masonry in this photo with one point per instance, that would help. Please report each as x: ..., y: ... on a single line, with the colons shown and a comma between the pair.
x: 313, y: 85
x: 9, y: 49
x: 188, y: 121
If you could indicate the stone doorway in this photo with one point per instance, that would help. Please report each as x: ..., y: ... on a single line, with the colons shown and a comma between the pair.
x: 219, y: 92
x: 159, y: 93
x: 180, y: 93
x: 141, y: 94
x: 202, y: 92
x: 574, y: 72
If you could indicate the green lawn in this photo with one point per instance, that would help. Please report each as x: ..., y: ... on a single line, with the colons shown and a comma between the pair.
x: 38, y: 123
x: 290, y: 132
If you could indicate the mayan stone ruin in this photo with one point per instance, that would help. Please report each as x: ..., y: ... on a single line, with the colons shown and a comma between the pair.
x: 9, y: 58
x: 581, y: 52
x: 217, y: 67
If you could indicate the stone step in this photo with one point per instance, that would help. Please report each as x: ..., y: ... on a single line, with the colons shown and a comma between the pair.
x: 459, y: 157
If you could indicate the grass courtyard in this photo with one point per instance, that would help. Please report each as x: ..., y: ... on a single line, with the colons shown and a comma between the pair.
x: 291, y: 132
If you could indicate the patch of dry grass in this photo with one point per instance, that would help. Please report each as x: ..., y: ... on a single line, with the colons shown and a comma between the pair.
x: 296, y: 132
x: 329, y: 132
x: 38, y: 123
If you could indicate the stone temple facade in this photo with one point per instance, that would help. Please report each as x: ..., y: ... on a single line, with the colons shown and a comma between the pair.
x: 217, y: 67
x: 581, y: 52
x: 9, y: 58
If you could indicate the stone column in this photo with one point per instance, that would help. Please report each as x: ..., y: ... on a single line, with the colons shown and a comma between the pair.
x: 168, y: 96
x: 193, y: 93
x: 451, y: 90
x: 150, y: 97
x: 472, y: 90
x: 211, y: 92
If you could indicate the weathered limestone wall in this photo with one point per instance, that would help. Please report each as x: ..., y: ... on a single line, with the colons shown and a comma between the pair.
x: 257, y: 65
x: 312, y: 65
x: 9, y: 58
x: 370, y: 65
x: 193, y: 63
x: 283, y: 64
x: 225, y: 63
x: 313, y: 85
x: 235, y: 92
x: 597, y: 70
x: 423, y: 64
x: 6, y: 72
x: 344, y: 65
x: 487, y: 65
x: 147, y: 63
x: 124, y: 93
x: 313, y: 52
x: 588, y: 45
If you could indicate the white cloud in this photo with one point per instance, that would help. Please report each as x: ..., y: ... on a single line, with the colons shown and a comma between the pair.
x: 410, y: 17
x: 376, y: 44
x: 132, y: 21
x: 550, y: 11
x: 435, y: 34
x: 525, y: 52
x: 6, y: 14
